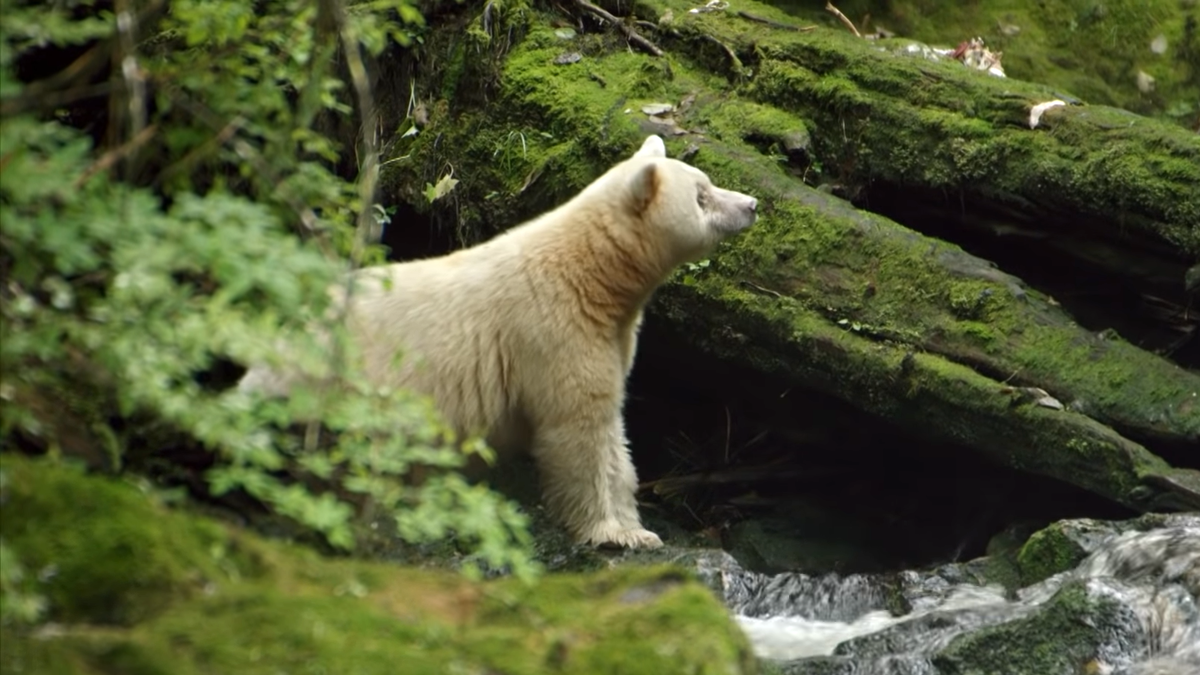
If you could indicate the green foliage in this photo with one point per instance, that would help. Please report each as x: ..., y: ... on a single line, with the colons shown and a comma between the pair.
x: 444, y: 186
x: 19, y: 603
x: 128, y: 270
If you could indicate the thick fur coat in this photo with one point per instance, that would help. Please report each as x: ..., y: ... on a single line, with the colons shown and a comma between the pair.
x: 527, y: 339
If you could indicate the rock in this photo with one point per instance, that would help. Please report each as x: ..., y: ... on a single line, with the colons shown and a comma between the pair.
x: 1063, y: 544
x: 1128, y: 608
x: 1059, y: 548
x: 1066, y: 632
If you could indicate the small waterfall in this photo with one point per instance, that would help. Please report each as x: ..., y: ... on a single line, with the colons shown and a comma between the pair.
x: 1143, y: 588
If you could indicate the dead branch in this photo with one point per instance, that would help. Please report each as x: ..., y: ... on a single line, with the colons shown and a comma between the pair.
x: 108, y: 159
x: 734, y: 61
x: 762, y: 289
x: 186, y: 162
x: 842, y: 17
x: 773, y: 24
x: 771, y: 471
x: 630, y: 34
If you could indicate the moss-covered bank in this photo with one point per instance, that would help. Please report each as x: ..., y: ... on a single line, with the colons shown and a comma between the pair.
x: 134, y: 587
x: 1094, y: 50
x: 877, y: 115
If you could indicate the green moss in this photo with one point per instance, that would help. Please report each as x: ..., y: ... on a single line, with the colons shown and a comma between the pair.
x: 872, y: 115
x: 978, y: 332
x: 881, y: 116
x: 1046, y: 553
x: 106, y: 553
x: 737, y: 120
x: 850, y: 265
x: 276, y: 607
x: 923, y: 391
x: 1060, y: 636
x: 1002, y: 550
x: 86, y: 651
x: 1091, y: 49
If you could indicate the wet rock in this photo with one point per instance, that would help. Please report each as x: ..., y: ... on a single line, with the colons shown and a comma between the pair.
x: 1059, y: 547
x: 801, y: 543
x: 1062, y: 545
x: 1129, y: 606
x: 1075, y: 625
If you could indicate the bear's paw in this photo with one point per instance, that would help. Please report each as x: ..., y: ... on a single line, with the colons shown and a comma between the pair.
x: 613, y: 533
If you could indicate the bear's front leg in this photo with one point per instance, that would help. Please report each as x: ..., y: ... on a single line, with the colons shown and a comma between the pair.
x: 589, y: 482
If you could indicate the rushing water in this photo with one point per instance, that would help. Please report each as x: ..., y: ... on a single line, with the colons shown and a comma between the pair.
x: 1149, y: 579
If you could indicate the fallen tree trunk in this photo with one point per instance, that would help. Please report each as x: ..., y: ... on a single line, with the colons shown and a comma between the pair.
x: 879, y: 114
x: 824, y: 295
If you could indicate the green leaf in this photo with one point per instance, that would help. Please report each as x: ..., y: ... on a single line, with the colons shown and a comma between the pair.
x: 444, y: 186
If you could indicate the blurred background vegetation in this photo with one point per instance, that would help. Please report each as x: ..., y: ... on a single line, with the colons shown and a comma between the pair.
x: 172, y: 206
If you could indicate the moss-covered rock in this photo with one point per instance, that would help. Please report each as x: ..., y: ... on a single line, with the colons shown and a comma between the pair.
x: 1060, y: 637
x: 1062, y: 545
x: 1000, y: 566
x: 194, y: 596
x: 1048, y: 552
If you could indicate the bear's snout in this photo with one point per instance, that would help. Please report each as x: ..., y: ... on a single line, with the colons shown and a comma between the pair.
x: 732, y: 211
x: 744, y: 212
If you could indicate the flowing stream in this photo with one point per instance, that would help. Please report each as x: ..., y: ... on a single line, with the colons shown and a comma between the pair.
x: 1149, y: 581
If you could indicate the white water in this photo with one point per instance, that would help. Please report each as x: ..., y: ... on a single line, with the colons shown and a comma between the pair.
x: 784, y: 638
x: 1154, y: 576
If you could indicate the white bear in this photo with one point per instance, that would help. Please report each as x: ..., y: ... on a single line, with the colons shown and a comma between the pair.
x: 527, y: 339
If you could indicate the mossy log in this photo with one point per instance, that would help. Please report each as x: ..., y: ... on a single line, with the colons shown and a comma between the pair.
x: 917, y: 141
x: 877, y: 113
x: 827, y: 296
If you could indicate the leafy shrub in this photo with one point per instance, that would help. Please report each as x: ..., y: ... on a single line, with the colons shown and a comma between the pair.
x: 207, y: 226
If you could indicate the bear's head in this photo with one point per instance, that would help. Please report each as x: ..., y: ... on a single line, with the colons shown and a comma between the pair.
x: 680, y: 202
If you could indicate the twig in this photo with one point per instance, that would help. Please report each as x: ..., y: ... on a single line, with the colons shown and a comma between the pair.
x: 115, y: 155
x: 838, y: 13
x: 773, y: 24
x: 733, y: 59
x: 185, y: 163
x: 486, y: 19
x: 53, y: 99
x: 630, y: 34
x: 756, y: 287
x: 777, y: 469
x: 368, y: 171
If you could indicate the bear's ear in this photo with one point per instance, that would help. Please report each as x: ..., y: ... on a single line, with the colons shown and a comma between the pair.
x: 652, y: 147
x: 644, y: 186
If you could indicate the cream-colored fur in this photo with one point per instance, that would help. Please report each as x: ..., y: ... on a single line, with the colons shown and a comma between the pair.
x: 528, y: 338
